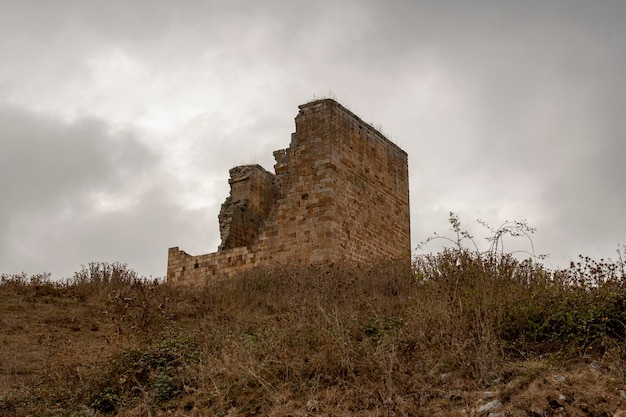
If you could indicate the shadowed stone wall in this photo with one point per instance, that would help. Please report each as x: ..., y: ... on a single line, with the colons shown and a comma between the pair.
x: 339, y: 193
x: 252, y: 195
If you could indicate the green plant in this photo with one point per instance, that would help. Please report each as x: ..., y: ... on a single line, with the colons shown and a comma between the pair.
x: 375, y: 328
x: 155, y: 370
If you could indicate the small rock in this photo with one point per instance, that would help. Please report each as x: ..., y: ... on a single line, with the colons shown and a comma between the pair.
x: 491, y: 405
x: 562, y: 397
x: 595, y: 365
x: 489, y: 394
x: 622, y: 394
x: 312, y: 405
x: 555, y: 405
x: 559, y: 378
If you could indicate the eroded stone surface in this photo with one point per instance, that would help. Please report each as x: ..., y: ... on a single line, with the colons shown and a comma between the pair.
x: 252, y: 196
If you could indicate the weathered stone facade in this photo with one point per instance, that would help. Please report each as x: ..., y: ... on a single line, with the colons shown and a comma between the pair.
x: 252, y: 196
x: 340, y: 192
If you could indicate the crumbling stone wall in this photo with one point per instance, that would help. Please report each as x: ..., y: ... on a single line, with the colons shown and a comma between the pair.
x: 252, y: 195
x: 339, y: 192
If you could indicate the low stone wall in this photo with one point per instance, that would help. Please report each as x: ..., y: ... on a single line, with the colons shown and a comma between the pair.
x: 183, y: 268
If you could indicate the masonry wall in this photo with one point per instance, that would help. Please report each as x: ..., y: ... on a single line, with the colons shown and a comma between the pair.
x: 301, y: 228
x: 183, y: 268
x: 339, y: 192
x: 372, y: 196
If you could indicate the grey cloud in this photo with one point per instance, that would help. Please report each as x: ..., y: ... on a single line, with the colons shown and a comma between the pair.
x: 523, y: 117
x: 139, y: 236
x: 51, y: 173
x: 43, y: 160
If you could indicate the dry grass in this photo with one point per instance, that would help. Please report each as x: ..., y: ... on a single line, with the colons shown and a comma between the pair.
x: 442, y: 337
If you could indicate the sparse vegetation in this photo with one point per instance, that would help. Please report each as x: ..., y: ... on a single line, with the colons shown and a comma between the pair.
x: 442, y: 336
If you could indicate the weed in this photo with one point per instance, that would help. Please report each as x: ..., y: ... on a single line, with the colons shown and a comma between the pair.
x: 156, y: 369
x: 376, y: 328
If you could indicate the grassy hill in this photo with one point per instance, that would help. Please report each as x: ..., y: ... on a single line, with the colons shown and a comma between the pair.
x: 454, y: 334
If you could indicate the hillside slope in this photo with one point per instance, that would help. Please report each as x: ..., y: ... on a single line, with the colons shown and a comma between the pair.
x: 456, y: 334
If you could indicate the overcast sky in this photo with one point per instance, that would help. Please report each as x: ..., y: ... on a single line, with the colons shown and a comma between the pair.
x: 119, y: 120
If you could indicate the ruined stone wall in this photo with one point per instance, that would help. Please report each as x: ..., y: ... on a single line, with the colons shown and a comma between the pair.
x: 252, y: 196
x: 183, y: 268
x: 339, y: 192
x: 300, y: 229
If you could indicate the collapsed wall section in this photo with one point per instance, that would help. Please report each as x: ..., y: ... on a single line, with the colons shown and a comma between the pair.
x: 252, y: 196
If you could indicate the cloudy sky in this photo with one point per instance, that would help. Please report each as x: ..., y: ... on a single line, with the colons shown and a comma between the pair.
x: 119, y: 120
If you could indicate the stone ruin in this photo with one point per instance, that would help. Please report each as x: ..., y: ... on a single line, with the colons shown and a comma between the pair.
x: 340, y: 192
